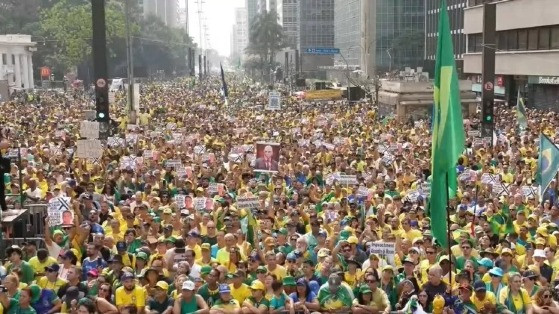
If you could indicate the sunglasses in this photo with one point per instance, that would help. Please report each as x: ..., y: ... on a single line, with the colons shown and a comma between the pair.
x: 466, y: 248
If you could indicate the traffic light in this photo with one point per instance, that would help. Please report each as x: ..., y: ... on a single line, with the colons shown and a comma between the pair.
x: 102, y: 108
x: 487, y: 112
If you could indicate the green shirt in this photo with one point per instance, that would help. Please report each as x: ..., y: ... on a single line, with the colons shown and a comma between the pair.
x: 16, y: 309
x: 210, y: 296
x: 256, y: 304
x: 28, y: 275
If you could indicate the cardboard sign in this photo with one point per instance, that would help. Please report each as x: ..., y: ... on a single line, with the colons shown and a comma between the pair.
x: 488, y: 178
x: 346, y: 179
x: 91, y: 149
x: 175, y: 163
x: 115, y: 142
x: 89, y: 129
x: 199, y: 203
x: 474, y: 133
x: 274, y: 101
x: 248, y: 202
x: 131, y: 162
x: 385, y: 251
x: 180, y: 200
x: 60, y: 211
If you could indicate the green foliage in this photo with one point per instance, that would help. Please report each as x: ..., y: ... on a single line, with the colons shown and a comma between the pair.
x: 70, y: 26
x: 266, y: 38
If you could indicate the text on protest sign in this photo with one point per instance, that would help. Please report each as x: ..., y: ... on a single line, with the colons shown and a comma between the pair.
x: 92, y: 149
x: 89, y: 129
x: 248, y: 202
x: 384, y: 250
x: 60, y: 211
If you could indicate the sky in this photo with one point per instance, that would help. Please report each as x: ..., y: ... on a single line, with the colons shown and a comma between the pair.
x: 220, y: 17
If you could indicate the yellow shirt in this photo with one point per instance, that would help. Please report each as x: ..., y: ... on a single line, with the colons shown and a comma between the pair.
x: 38, y: 267
x: 412, y: 234
x: 240, y: 294
x: 44, y: 283
x: 489, y: 298
x: 222, y: 256
x: 136, y: 297
x: 279, y: 272
x: 520, y: 300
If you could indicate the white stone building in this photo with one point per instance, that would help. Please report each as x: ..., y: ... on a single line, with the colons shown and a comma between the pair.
x: 16, y: 65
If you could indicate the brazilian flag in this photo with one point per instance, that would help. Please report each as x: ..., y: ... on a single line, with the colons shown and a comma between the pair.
x: 448, y: 130
x: 548, y: 162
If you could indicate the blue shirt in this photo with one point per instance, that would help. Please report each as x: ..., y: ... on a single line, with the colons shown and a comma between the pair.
x: 310, y: 297
x: 89, y: 264
x: 45, y: 302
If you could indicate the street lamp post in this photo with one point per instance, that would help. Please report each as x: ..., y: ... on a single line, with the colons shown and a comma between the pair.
x: 130, y: 67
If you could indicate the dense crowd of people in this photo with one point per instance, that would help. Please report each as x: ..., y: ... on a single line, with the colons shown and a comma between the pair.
x: 159, y: 223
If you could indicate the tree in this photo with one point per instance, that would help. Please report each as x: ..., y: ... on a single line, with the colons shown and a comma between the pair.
x: 266, y: 39
x: 69, y: 24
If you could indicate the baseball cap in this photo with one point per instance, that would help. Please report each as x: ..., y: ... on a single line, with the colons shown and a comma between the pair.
x: 126, y: 276
x: 289, y: 281
x: 223, y: 288
x: 121, y: 246
x: 188, y: 285
x: 480, y: 286
x: 163, y: 285
x: 53, y: 268
x: 539, y: 253
x: 257, y: 285
x: 352, y: 240
x: 206, y: 269
x: 485, y: 262
x: 205, y: 246
x: 142, y: 256
x: 323, y: 252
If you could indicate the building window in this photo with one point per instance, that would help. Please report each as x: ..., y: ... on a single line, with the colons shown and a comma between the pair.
x: 4, y: 59
x: 555, y: 37
x: 544, y: 39
x: 533, y: 39
x: 522, y: 39
x: 474, y: 42
x: 512, y: 40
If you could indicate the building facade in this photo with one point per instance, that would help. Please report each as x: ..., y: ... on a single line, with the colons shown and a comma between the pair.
x: 400, y: 34
x: 239, y: 35
x: 290, y: 22
x: 16, y: 65
x: 316, y: 30
x: 347, y: 32
x: 455, y: 9
x: 527, y: 56
x: 252, y: 9
x: 168, y: 11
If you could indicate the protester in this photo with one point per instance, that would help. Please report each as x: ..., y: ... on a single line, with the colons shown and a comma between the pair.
x: 321, y: 206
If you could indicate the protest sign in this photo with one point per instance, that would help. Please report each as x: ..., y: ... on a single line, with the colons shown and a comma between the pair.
x: 248, y: 202
x: 426, y: 188
x: 131, y: 162
x: 91, y: 149
x: 60, y: 211
x: 115, y: 142
x: 174, y: 163
x: 89, y: 129
x: 384, y: 250
x: 413, y: 195
x: 180, y: 200
x: 267, y: 157
x: 474, y: 133
x: 148, y: 154
x: 199, y: 150
x: 89, y: 114
x: 347, y: 179
x: 181, y: 172
x: 171, y: 126
x: 274, y: 101
x: 199, y: 203
x: 488, y: 178
x: 363, y: 191
x: 212, y: 188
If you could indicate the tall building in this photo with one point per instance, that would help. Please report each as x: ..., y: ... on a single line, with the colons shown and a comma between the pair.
x: 455, y: 9
x: 239, y: 35
x: 316, y: 30
x: 252, y: 9
x: 527, y: 50
x: 398, y: 33
x: 290, y: 22
x: 267, y: 5
x: 167, y: 11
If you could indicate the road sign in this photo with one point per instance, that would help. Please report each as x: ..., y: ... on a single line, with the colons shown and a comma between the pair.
x: 322, y: 51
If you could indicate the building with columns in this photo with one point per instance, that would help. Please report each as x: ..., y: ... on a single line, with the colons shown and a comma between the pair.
x: 16, y: 66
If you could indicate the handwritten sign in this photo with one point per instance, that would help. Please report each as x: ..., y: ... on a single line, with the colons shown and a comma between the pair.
x: 346, y: 179
x: 91, y: 149
x: 248, y: 202
x: 89, y: 129
x: 384, y: 250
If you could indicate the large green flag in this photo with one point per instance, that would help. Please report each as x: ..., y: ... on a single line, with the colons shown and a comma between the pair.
x: 548, y: 162
x: 448, y: 130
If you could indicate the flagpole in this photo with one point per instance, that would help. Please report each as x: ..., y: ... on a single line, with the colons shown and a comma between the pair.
x: 448, y: 231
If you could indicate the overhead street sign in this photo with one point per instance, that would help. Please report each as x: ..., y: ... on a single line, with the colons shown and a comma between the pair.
x: 322, y: 51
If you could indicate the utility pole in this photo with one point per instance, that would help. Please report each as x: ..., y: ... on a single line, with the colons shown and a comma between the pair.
x: 99, y: 51
x: 130, y: 66
x: 488, y: 70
